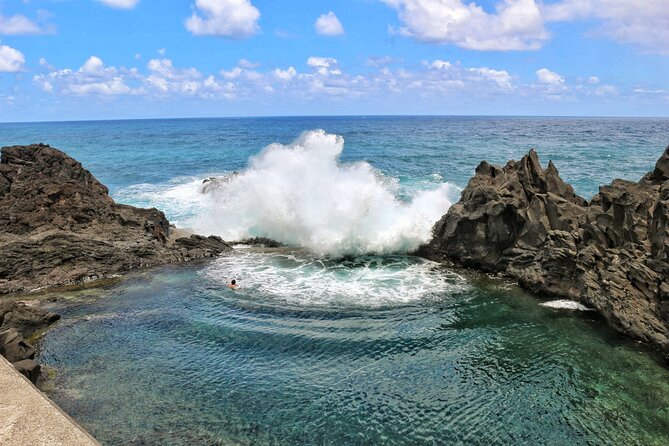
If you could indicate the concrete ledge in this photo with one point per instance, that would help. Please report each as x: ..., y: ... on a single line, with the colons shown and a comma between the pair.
x: 28, y: 417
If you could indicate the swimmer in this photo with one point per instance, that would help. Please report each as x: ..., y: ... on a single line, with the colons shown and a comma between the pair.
x: 233, y: 284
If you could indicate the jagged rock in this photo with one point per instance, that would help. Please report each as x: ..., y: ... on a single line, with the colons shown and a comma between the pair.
x: 611, y: 253
x: 261, y: 241
x: 19, y: 321
x: 59, y: 226
x: 199, y: 242
x: 23, y: 318
x: 212, y: 184
x: 13, y: 347
x: 28, y: 368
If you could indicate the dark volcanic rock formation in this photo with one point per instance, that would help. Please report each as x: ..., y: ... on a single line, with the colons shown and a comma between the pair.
x: 611, y: 253
x: 59, y: 226
x: 19, y: 321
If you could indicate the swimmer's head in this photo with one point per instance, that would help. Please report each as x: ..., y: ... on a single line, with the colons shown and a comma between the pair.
x: 234, y: 282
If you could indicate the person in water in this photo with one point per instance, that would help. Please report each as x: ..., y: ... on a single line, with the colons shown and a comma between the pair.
x: 233, y: 284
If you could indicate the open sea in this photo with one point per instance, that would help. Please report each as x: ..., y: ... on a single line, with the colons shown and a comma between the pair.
x: 341, y: 337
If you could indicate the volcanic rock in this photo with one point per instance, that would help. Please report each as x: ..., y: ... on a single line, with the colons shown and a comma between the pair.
x: 611, y: 253
x: 59, y: 226
x: 25, y: 319
x: 29, y: 368
x: 13, y: 347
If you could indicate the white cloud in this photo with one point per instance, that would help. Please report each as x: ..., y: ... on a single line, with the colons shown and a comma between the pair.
x: 229, y: 18
x: 440, y: 64
x: 164, y: 79
x: 19, y: 24
x: 120, y: 4
x: 593, y: 80
x: 232, y: 74
x: 329, y: 25
x: 285, y: 75
x: 548, y: 77
x: 521, y: 24
x: 248, y: 64
x: 93, y: 65
x: 11, y: 60
x: 515, y: 25
x: 45, y: 63
x: 324, y: 65
x: 322, y: 78
x: 92, y: 78
x: 659, y: 91
x: 642, y: 23
x: 445, y: 77
x: 379, y: 61
x: 606, y: 90
x: 501, y: 77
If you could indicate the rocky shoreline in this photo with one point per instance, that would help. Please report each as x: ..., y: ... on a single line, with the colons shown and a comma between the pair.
x: 60, y: 227
x: 611, y: 253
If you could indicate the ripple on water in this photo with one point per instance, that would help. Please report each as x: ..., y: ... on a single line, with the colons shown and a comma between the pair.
x: 177, y: 358
x: 300, y: 278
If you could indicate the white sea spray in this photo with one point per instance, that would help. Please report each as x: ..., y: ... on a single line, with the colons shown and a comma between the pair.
x: 300, y: 194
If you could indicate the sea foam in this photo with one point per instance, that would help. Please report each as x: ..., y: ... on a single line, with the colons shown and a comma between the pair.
x: 301, y: 278
x: 300, y: 194
x: 564, y: 304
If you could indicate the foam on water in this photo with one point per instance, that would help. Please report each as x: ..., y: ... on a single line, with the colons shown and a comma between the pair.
x: 299, y: 277
x: 181, y: 198
x: 301, y: 195
x: 564, y: 304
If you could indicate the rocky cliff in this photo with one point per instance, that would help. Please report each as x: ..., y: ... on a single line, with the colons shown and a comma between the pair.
x: 59, y: 226
x: 611, y: 253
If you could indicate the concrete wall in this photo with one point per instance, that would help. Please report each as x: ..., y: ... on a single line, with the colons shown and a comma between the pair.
x: 28, y: 417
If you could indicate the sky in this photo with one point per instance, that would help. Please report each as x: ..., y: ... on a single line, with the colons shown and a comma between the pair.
x: 126, y: 59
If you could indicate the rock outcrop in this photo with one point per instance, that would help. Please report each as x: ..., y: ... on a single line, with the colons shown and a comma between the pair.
x: 59, y: 226
x: 17, y: 322
x: 611, y: 253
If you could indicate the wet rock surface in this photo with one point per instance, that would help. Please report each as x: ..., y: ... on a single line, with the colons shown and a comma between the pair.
x: 18, y: 322
x: 59, y: 226
x: 611, y: 253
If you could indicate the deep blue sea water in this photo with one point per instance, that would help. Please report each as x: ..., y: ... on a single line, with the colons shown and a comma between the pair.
x: 341, y: 338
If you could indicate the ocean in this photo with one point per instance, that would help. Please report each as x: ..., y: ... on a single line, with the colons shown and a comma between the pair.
x: 341, y: 337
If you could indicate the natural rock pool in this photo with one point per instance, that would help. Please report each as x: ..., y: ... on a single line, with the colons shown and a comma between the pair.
x: 317, y: 351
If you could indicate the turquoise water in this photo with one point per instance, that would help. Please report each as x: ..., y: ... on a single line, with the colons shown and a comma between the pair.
x: 175, y: 358
x: 587, y: 151
x: 341, y: 338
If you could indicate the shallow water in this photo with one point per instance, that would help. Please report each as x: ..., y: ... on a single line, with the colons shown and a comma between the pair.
x: 174, y: 357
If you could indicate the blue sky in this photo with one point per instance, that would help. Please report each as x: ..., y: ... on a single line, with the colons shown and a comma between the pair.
x: 106, y: 59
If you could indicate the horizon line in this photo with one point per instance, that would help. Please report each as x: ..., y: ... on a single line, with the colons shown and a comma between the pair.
x: 335, y: 116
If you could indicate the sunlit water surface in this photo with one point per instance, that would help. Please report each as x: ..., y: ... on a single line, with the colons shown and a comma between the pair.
x: 312, y: 352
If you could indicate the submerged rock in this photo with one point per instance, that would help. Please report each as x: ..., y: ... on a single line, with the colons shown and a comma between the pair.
x: 611, y: 254
x: 59, y: 226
